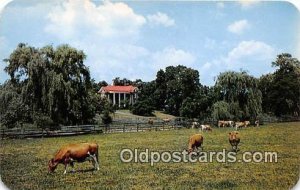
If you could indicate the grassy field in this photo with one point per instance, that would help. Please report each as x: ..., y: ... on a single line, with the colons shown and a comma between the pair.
x: 126, y: 114
x: 24, y: 162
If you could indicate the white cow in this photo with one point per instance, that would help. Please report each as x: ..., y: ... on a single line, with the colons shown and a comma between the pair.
x: 205, y: 128
x: 195, y: 124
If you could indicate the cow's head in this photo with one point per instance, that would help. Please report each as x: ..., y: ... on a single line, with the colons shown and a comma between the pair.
x: 51, y: 165
x: 233, y: 135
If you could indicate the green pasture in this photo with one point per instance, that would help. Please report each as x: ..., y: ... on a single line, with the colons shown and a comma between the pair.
x: 23, y: 162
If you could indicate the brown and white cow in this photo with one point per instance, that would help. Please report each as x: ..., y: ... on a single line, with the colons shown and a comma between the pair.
x: 239, y: 125
x: 221, y: 123
x: 195, y: 125
x: 205, y: 128
x: 166, y: 120
x: 195, y: 141
x: 234, y: 140
x: 229, y: 123
x: 71, y: 153
x: 246, y: 123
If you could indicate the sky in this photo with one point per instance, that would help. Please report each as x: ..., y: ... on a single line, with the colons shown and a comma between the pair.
x: 134, y: 39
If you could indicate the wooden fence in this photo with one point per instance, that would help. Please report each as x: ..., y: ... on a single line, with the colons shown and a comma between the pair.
x: 116, y: 127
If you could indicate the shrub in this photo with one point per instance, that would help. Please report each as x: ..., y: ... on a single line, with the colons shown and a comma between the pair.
x: 143, y: 108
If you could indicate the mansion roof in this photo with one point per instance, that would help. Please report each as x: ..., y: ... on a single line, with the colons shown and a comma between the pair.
x: 117, y: 89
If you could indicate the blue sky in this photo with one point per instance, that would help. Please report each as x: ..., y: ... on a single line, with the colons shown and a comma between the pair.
x: 134, y: 39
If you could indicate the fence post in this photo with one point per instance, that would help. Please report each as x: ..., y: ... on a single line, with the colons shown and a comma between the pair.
x: 124, y: 128
x: 137, y: 128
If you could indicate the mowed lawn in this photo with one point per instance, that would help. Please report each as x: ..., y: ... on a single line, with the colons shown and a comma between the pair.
x: 24, y: 161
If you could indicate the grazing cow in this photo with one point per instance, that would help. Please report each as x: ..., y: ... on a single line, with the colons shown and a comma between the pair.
x: 239, y: 125
x: 150, y: 121
x: 195, y: 124
x: 246, y: 123
x: 166, y: 120
x: 234, y: 140
x: 195, y: 141
x: 75, y: 153
x: 229, y: 123
x: 221, y: 123
x: 205, y: 128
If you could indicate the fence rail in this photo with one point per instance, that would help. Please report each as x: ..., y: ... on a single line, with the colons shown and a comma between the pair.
x: 116, y: 127
x: 85, y: 129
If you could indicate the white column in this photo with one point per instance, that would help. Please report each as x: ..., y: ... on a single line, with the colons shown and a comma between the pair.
x: 107, y: 96
x: 119, y: 99
x: 130, y: 99
x: 124, y: 98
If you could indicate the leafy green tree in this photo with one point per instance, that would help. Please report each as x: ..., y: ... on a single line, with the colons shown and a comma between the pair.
x: 97, y: 86
x: 284, y: 91
x: 143, y: 108
x: 190, y: 108
x: 265, y: 86
x: 13, y: 112
x: 106, y: 118
x: 180, y: 83
x: 221, y: 111
x: 241, y: 92
x: 53, y: 81
x: 159, y: 94
x: 43, y: 121
x: 198, y: 106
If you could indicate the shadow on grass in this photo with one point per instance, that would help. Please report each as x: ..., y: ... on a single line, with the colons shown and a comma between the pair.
x: 220, y: 185
x: 83, y: 170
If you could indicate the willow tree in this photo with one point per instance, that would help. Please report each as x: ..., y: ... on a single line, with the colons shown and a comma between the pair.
x: 54, y: 82
x: 241, y: 92
x: 13, y: 112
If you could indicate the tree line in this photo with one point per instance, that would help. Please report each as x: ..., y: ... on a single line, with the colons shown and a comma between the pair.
x: 50, y: 86
x: 235, y: 95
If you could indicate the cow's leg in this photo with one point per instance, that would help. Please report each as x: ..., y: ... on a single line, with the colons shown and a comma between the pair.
x: 72, y: 165
x: 66, y: 162
x: 66, y: 166
x: 95, y: 162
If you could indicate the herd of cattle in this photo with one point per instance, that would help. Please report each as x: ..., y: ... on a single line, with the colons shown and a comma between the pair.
x: 82, y: 152
x: 237, y: 125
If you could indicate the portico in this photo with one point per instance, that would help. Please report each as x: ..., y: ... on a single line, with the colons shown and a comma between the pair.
x: 120, y: 95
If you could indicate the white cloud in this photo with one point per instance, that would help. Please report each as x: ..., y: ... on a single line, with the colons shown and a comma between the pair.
x: 108, y: 34
x: 3, y: 3
x: 106, y: 20
x: 258, y: 49
x: 254, y: 56
x: 172, y: 57
x: 238, y: 27
x: 246, y: 4
x: 161, y: 19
